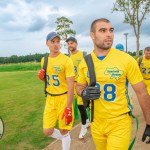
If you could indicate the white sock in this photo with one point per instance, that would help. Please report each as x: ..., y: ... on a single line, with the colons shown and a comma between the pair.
x: 56, y: 134
x: 66, y: 140
x: 87, y: 120
x: 83, y: 126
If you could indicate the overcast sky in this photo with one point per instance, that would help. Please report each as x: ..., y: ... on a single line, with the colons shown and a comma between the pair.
x: 24, y: 24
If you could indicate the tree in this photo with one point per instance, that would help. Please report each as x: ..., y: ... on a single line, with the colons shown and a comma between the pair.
x: 135, y: 12
x: 63, y: 28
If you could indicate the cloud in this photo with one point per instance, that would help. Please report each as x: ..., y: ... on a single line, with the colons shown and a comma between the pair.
x: 19, y: 15
x: 145, y: 28
x: 30, y: 20
x: 37, y: 24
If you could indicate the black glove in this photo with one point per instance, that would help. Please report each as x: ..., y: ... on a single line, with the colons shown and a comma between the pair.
x: 146, y: 133
x: 90, y: 93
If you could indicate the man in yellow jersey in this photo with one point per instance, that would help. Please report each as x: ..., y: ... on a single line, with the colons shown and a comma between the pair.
x: 76, y: 57
x: 60, y: 89
x: 111, y: 126
x: 144, y: 64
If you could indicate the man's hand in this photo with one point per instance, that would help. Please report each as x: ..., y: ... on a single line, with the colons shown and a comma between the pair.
x: 146, y: 134
x: 90, y: 93
x: 41, y: 74
x: 68, y: 115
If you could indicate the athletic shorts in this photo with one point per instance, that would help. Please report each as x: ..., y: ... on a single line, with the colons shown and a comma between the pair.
x: 112, y: 134
x: 147, y: 84
x: 53, y: 111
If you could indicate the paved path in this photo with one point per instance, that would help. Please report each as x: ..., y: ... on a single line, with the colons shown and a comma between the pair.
x: 76, y: 143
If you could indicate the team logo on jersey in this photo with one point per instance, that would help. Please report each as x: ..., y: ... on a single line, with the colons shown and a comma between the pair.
x: 78, y: 61
x: 57, y: 69
x: 114, y: 73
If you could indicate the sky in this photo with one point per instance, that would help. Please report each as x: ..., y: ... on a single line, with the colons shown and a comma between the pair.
x: 24, y: 24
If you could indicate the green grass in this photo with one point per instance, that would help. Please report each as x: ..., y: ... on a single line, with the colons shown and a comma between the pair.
x: 20, y: 67
x: 22, y: 102
x: 21, y: 107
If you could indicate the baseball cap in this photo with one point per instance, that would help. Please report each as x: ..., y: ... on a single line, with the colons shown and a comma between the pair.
x: 71, y: 39
x: 51, y: 36
x: 120, y: 47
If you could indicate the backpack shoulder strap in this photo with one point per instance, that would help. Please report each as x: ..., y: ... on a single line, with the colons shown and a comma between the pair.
x: 90, y: 65
x: 45, y: 68
x: 45, y: 63
x: 140, y: 60
x: 84, y: 53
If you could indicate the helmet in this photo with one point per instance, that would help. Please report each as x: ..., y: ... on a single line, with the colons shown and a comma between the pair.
x: 120, y: 47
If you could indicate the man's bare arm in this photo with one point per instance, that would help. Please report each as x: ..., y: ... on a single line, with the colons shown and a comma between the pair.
x: 70, y: 83
x: 144, y: 100
x: 80, y: 88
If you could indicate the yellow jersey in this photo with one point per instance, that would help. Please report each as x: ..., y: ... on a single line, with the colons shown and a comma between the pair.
x: 145, y: 70
x: 58, y: 69
x: 76, y: 58
x: 112, y: 76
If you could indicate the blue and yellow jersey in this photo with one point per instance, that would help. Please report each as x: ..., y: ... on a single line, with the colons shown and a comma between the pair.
x: 76, y: 58
x: 112, y: 76
x: 58, y: 69
x: 145, y: 70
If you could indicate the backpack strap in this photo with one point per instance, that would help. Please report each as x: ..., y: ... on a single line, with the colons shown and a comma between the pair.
x: 84, y: 53
x: 45, y: 68
x: 90, y: 65
x: 140, y: 60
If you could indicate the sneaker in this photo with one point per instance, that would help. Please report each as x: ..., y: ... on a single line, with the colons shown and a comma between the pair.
x: 87, y: 123
x: 82, y: 132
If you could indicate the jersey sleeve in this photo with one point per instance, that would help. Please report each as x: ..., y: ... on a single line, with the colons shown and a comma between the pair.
x: 69, y: 68
x: 133, y: 72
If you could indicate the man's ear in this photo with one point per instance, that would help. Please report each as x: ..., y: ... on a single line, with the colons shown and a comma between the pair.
x: 92, y: 35
x: 47, y: 43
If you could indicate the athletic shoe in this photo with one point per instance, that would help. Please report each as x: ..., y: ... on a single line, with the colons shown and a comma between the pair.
x: 87, y: 123
x: 83, y: 132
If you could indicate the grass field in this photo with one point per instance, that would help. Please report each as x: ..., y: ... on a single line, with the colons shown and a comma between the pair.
x: 30, y: 66
x: 22, y: 102
x: 21, y: 107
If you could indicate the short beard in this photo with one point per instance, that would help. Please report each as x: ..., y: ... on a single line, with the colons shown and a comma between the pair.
x: 72, y: 49
x: 104, y: 47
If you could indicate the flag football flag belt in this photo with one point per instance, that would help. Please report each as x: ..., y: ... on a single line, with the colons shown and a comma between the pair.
x: 56, y: 94
x: 147, y: 79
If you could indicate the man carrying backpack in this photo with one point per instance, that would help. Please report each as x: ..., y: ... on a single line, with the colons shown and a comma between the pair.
x: 59, y: 76
x: 77, y: 56
x: 112, y: 108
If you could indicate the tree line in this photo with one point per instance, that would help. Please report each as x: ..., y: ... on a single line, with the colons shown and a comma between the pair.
x: 35, y: 58
x: 22, y: 59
